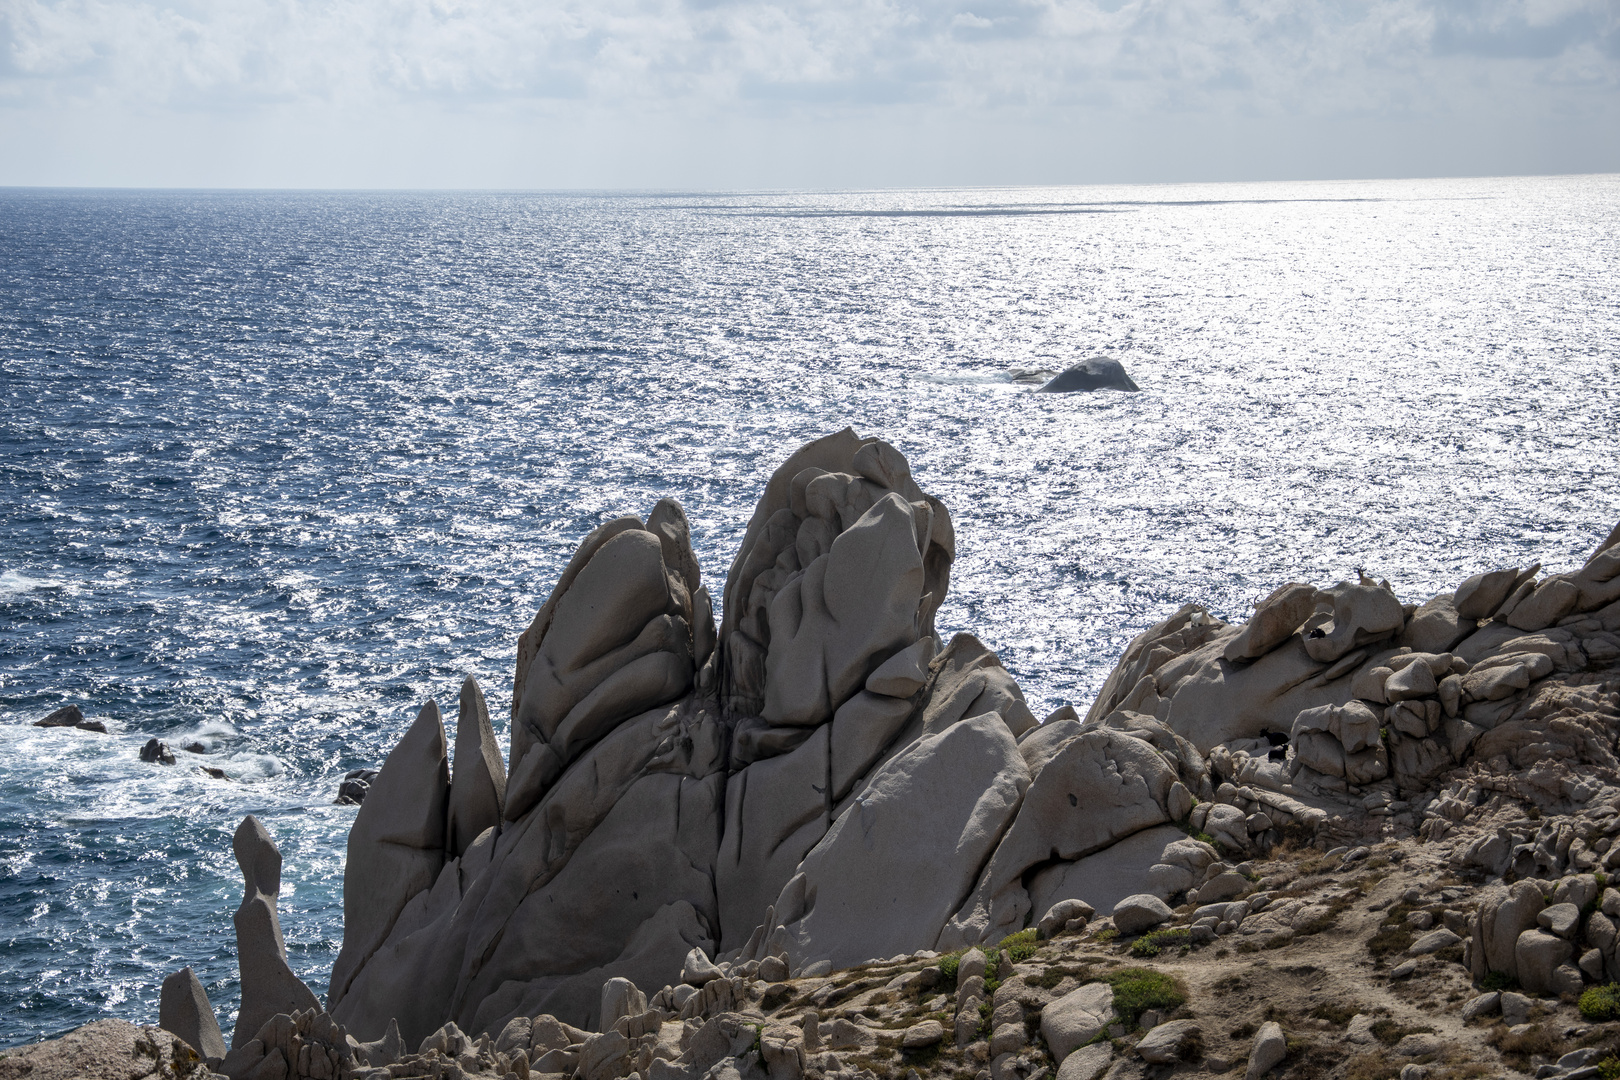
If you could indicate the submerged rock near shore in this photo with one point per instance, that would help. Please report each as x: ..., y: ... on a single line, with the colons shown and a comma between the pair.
x: 813, y: 840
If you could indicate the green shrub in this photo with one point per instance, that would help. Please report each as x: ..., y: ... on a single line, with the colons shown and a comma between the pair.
x: 1107, y: 934
x: 1498, y: 980
x: 1609, y: 1068
x: 1151, y: 944
x: 1139, y: 989
x: 1020, y: 946
x: 1601, y: 1003
x: 948, y: 965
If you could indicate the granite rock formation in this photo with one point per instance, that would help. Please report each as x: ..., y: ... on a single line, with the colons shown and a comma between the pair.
x: 817, y: 782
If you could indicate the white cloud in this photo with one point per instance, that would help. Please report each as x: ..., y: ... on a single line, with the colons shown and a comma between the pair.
x: 1025, y: 63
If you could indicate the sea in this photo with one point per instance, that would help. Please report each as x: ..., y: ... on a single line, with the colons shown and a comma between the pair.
x: 277, y: 467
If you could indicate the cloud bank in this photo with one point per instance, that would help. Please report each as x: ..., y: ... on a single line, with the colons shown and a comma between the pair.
x: 823, y: 92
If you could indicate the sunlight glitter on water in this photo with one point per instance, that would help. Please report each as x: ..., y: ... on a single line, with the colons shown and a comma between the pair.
x: 282, y: 466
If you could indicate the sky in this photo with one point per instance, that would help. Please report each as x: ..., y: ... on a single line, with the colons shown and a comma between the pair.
x: 684, y: 94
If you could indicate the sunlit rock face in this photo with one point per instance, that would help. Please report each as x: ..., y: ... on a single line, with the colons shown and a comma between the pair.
x: 819, y: 780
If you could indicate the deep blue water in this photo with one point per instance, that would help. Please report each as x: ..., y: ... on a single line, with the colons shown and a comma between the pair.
x: 276, y: 467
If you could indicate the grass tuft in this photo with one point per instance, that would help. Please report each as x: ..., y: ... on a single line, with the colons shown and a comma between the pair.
x: 1601, y: 1003
x: 1138, y: 989
x: 1151, y: 944
x: 1020, y: 946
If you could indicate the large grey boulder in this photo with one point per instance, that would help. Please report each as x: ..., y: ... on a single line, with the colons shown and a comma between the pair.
x: 1537, y: 957
x: 1139, y: 913
x: 1362, y: 615
x: 183, y: 1009
x: 608, y: 876
x: 1134, y: 865
x: 396, y: 844
x: 1076, y: 1018
x: 1275, y: 620
x: 901, y: 858
x: 1168, y: 1043
x: 1504, y: 914
x: 1270, y: 1047
x: 1098, y: 787
x: 1480, y: 596
x: 776, y: 811
x: 268, y: 984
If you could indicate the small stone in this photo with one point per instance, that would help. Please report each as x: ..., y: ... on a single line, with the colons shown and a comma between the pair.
x: 1515, y: 1008
x: 1359, y: 1029
x: 924, y: 1034
x: 1413, y: 1071
x: 971, y: 965
x: 1433, y: 942
x: 1167, y: 1043
x: 773, y: 969
x: 1483, y: 1005
x: 1404, y: 970
x: 1270, y: 1047
x: 1086, y: 1063
x: 698, y: 969
x: 1417, y: 1045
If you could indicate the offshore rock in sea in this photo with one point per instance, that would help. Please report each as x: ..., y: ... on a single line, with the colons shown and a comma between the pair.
x: 1093, y: 373
x: 818, y: 783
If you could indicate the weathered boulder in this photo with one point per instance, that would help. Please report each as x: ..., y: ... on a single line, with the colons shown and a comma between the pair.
x: 1362, y: 614
x: 901, y: 858
x: 106, y: 1050
x: 1101, y: 880
x: 1274, y: 622
x: 1136, y: 914
x: 1270, y: 1047
x: 1504, y: 914
x: 183, y: 1010
x: 1168, y: 1043
x: 615, y: 639
x: 1097, y: 788
x: 1436, y: 626
x: 1076, y: 1018
x: 1537, y: 956
x: 1092, y: 373
x: 268, y: 984
x: 1482, y: 594
x: 776, y: 811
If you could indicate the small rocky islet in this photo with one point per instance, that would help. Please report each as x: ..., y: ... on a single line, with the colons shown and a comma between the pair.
x: 1348, y: 838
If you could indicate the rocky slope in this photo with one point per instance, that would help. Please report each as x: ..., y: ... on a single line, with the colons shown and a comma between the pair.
x: 1303, y: 843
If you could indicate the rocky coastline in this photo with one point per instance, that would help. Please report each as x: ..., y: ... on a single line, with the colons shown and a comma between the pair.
x: 811, y: 841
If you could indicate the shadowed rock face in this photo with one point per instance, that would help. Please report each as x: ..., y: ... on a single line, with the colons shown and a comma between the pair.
x: 1095, y: 373
x: 818, y: 780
